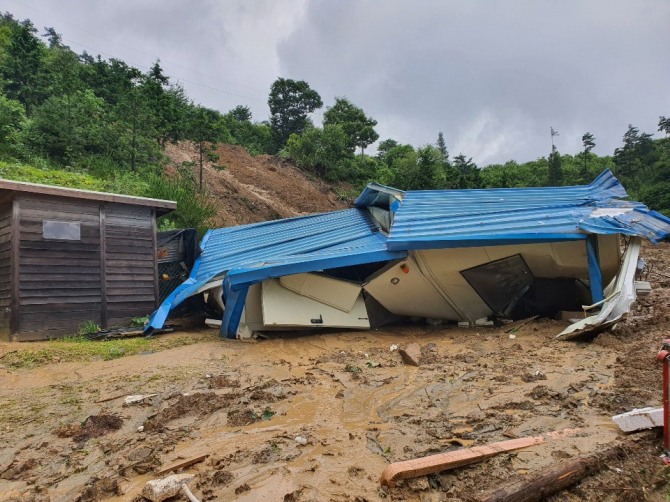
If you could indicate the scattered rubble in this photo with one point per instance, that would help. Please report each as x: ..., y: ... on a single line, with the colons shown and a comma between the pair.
x: 411, y: 355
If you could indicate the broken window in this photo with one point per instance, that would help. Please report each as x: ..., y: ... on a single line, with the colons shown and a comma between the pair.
x: 500, y: 283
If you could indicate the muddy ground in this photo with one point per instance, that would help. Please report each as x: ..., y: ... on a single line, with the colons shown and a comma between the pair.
x: 319, y: 417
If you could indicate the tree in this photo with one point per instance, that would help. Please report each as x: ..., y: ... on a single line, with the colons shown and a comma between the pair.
x: 589, y: 142
x: 664, y: 125
x: 442, y: 148
x: 358, y: 127
x: 467, y: 173
x: 23, y: 66
x: 241, y: 113
x: 637, y: 154
x: 555, y: 177
x: 290, y: 102
x: 202, y: 130
x: 65, y: 132
x: 323, y: 150
x: 12, y: 114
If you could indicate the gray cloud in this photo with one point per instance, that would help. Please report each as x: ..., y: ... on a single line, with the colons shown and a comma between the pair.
x: 493, y: 76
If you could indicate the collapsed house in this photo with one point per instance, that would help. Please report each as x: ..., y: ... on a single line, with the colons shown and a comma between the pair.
x: 453, y: 255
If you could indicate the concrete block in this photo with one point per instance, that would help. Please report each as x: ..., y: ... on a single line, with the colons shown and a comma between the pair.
x: 638, y: 419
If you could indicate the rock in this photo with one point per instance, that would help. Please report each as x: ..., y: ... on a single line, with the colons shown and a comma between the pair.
x: 137, y: 399
x: 301, y: 440
x: 411, y: 355
x: 158, y: 490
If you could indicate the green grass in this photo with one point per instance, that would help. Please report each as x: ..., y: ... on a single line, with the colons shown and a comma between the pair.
x: 22, y: 172
x: 80, y: 349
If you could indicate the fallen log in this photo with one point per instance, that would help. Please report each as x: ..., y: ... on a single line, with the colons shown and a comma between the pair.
x: 450, y: 460
x: 553, y: 480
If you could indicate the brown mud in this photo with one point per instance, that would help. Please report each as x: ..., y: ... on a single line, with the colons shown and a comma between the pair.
x: 319, y: 416
x: 248, y: 189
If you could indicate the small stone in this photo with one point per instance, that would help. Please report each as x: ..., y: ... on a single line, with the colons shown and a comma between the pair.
x: 411, y: 355
x: 393, y: 348
x: 140, y: 428
x: 301, y: 440
x: 512, y: 337
x: 158, y: 490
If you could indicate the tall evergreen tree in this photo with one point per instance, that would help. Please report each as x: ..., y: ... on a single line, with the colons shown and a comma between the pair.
x: 442, y: 148
x: 589, y: 142
x: 555, y: 169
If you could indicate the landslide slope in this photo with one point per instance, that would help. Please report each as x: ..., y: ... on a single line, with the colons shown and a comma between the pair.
x: 250, y: 189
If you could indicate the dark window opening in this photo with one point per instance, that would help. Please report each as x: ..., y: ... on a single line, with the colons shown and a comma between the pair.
x: 500, y: 283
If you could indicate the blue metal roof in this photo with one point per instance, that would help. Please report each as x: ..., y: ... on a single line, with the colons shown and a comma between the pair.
x: 462, y: 218
x: 252, y: 253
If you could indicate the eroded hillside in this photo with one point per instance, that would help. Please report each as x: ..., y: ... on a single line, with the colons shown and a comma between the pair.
x: 250, y: 189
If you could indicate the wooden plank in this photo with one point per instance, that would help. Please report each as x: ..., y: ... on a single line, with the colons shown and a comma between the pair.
x: 67, y: 302
x: 92, y: 247
x: 129, y: 298
x: 49, y: 308
x: 124, y: 278
x: 130, y: 290
x: 554, y: 479
x: 72, y: 324
x: 60, y: 204
x: 30, y: 316
x: 15, y: 264
x: 154, y: 255
x: 87, y: 262
x: 103, y: 266
x: 42, y: 270
x: 60, y: 293
x: 464, y: 456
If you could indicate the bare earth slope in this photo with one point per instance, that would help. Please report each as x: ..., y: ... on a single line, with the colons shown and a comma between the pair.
x: 251, y: 189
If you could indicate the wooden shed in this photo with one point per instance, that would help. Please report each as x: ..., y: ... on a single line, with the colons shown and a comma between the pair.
x: 69, y: 256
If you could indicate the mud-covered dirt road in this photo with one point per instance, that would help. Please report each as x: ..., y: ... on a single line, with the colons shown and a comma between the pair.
x: 318, y: 417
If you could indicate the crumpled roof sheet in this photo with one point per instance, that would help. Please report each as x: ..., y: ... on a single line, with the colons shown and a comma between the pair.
x: 458, y: 218
x: 262, y: 250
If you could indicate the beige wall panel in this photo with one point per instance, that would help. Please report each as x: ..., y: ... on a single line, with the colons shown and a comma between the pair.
x: 413, y: 295
x: 334, y: 292
x: 442, y: 267
x: 283, y: 307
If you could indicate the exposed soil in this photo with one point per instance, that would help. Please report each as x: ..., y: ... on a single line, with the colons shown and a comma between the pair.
x: 319, y: 416
x: 248, y: 189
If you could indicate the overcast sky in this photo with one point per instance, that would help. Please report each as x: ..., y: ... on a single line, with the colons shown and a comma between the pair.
x: 493, y: 76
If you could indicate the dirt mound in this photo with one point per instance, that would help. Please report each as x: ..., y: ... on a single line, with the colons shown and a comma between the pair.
x: 247, y: 189
x: 94, y: 426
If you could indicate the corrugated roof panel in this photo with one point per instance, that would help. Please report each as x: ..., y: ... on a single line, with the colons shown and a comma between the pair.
x: 461, y: 218
x: 262, y: 250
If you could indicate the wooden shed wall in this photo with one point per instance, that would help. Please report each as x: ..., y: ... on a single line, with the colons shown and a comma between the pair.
x: 107, y: 276
x: 130, y: 268
x: 5, y: 268
x: 59, y: 280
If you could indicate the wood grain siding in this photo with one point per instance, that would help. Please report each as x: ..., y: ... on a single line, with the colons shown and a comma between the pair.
x: 59, y: 280
x: 130, y: 255
x: 5, y: 268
